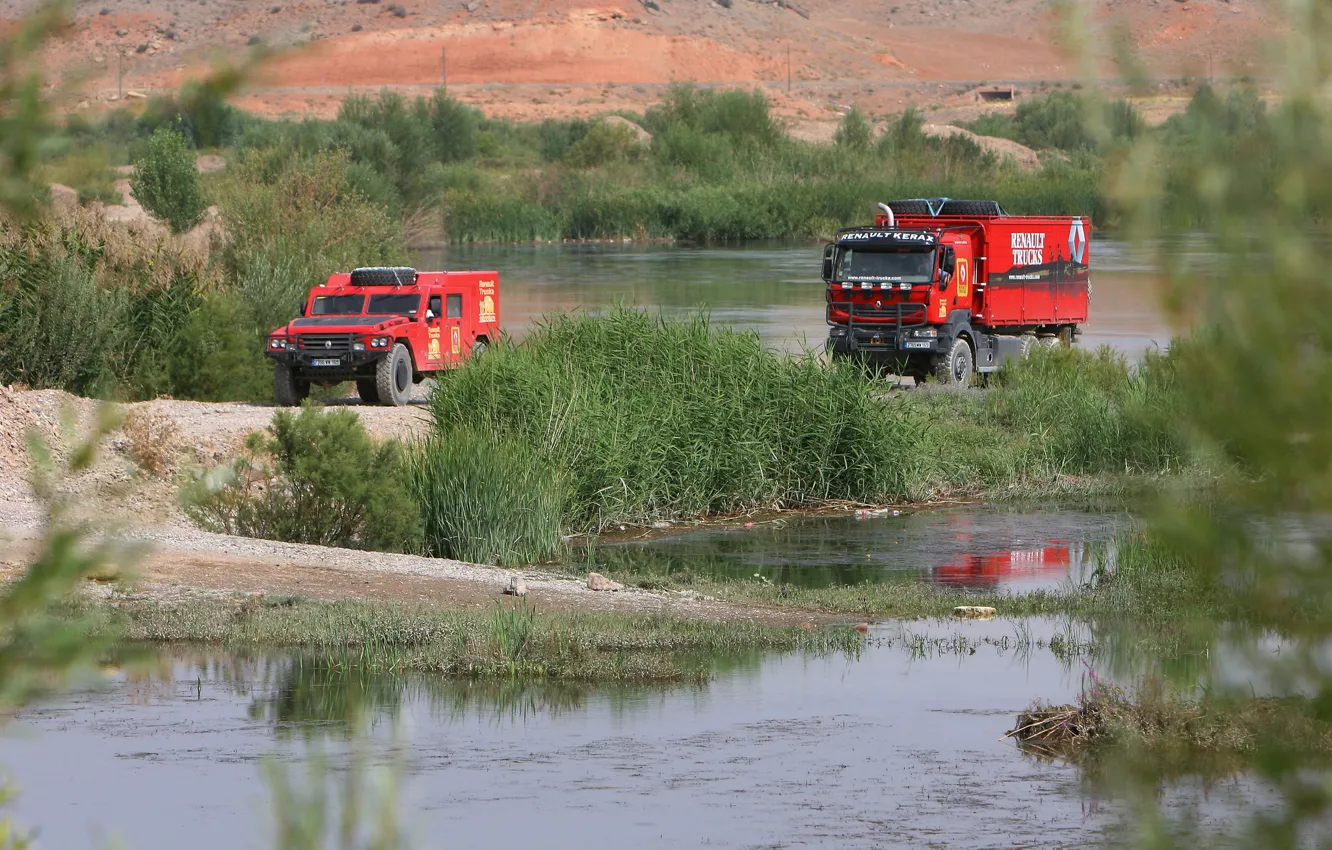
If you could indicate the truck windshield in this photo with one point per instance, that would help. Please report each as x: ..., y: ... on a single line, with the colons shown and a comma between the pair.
x: 394, y: 305
x: 860, y: 265
x: 338, y: 305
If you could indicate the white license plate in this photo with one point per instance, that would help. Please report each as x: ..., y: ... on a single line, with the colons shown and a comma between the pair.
x: 915, y: 344
x: 326, y: 361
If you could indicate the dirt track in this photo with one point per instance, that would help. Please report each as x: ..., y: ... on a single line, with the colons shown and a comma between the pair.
x: 174, y: 560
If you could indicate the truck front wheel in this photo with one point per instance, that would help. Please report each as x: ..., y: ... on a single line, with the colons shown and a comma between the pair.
x: 368, y: 390
x: 957, y: 366
x: 393, y: 377
x: 289, y: 389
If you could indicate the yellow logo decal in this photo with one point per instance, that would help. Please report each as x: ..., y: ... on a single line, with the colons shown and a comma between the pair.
x: 456, y: 340
x: 963, y: 278
x: 487, y: 309
x: 943, y: 309
x: 432, y: 350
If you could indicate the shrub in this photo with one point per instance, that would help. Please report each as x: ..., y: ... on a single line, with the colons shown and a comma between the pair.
x: 855, y: 131
x: 486, y: 500
x: 330, y: 485
x: 603, y: 144
x: 166, y: 181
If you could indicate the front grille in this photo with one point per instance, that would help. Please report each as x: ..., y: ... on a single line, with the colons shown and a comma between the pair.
x: 331, y: 343
x: 906, y: 313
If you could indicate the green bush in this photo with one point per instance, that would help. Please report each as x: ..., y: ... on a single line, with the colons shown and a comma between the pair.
x: 1086, y: 412
x: 166, y: 181
x: 330, y: 485
x: 603, y: 144
x: 486, y: 500
x: 854, y: 131
x: 650, y: 417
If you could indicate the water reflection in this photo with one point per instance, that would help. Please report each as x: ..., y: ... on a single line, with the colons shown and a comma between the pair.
x: 981, y: 547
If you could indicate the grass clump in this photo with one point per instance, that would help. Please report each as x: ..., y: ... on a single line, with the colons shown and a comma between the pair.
x: 506, y: 642
x: 487, y: 501
x: 166, y: 181
x: 329, y: 485
x: 648, y: 417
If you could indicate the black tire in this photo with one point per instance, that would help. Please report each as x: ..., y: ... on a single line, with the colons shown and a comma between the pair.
x: 393, y: 377
x: 958, y: 366
x: 1051, y: 342
x: 1028, y: 343
x: 289, y: 389
x: 368, y: 390
x: 384, y: 276
x: 479, y: 347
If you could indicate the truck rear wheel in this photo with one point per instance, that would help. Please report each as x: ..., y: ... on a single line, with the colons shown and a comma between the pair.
x: 1028, y: 343
x: 957, y: 367
x: 393, y: 377
x: 368, y: 390
x: 289, y: 389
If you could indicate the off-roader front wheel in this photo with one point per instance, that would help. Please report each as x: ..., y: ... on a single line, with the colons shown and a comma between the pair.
x: 368, y: 390
x: 289, y: 389
x: 393, y: 377
x: 956, y: 367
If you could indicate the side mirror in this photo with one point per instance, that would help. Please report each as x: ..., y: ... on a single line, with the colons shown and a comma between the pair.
x: 302, y: 308
x: 828, y: 251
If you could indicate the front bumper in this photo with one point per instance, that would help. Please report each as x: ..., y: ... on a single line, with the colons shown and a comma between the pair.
x: 889, y: 340
x: 349, y: 363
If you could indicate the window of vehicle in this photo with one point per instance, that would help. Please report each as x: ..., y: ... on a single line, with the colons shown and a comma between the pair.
x: 338, y: 305
x: 394, y: 305
x: 436, y: 306
x: 455, y: 306
x: 886, y: 266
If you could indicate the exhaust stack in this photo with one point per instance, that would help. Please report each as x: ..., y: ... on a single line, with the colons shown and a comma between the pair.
x: 892, y: 222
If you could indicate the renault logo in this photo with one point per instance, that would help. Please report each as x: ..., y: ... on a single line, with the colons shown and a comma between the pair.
x: 328, y: 343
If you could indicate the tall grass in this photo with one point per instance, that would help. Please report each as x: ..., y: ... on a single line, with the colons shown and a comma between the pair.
x: 649, y: 417
x: 486, y: 500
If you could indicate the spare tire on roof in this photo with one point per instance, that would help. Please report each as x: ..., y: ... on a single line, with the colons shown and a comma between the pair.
x: 945, y: 206
x: 384, y: 276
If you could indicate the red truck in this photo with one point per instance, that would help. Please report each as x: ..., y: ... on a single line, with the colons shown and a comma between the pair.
x: 955, y: 288
x: 386, y: 329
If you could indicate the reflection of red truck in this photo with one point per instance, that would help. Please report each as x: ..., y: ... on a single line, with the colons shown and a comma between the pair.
x: 951, y: 288
x: 1053, y: 560
x: 385, y: 329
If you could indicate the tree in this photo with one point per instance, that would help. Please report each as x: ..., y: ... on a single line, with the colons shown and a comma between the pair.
x: 855, y: 132
x: 166, y: 181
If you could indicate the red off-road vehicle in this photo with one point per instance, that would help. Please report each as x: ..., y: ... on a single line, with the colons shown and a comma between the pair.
x: 385, y: 329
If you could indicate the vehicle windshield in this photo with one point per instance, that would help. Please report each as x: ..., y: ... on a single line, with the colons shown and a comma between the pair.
x: 394, y: 305
x: 338, y: 305
x: 860, y: 265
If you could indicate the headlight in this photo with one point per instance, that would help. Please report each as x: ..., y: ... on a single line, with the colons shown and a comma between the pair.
x: 839, y: 331
x: 358, y: 346
x: 277, y: 344
x: 379, y: 342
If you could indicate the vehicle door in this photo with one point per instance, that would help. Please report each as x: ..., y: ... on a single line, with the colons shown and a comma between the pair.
x: 453, y: 320
x: 435, y: 331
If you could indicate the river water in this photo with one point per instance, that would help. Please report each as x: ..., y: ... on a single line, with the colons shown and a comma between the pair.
x: 771, y: 288
x: 903, y: 746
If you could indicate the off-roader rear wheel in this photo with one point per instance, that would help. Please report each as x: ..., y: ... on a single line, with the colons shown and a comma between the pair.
x: 368, y: 390
x: 288, y: 389
x: 393, y: 377
x: 956, y: 367
x: 479, y: 347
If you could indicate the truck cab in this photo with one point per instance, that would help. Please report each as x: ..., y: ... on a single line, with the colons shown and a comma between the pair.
x: 954, y: 288
x: 386, y: 329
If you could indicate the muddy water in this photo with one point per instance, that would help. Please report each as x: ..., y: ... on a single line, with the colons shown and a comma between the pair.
x: 987, y: 547
x: 901, y: 747
x: 771, y: 288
